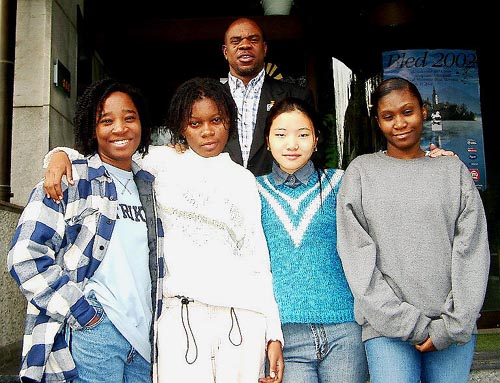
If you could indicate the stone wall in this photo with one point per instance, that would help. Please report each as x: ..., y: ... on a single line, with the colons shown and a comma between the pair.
x: 12, y: 302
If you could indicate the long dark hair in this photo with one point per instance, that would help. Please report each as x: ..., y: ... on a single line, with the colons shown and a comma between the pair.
x: 192, y: 90
x: 289, y: 104
x: 90, y: 105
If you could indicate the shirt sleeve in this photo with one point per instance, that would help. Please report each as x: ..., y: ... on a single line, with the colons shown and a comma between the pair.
x: 71, y: 153
x: 469, y: 272
x: 32, y: 262
x: 257, y: 245
x: 158, y: 158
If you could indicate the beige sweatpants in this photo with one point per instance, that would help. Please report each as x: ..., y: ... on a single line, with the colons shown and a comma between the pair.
x: 202, y: 343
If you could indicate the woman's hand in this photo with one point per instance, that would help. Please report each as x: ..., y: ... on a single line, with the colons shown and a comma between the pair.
x: 59, y: 165
x: 276, y: 363
x: 426, y: 346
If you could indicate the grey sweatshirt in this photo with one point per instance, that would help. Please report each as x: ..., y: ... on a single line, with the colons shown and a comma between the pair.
x: 413, y: 241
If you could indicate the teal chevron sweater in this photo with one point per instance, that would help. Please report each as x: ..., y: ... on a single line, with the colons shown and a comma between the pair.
x: 300, y: 227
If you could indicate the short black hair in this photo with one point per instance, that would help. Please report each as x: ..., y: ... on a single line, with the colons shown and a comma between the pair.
x: 245, y: 19
x: 387, y: 86
x: 192, y: 90
x: 89, y: 107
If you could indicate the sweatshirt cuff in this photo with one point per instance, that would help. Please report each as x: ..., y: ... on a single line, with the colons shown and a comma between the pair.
x: 72, y: 154
x: 274, y: 333
x: 439, y: 335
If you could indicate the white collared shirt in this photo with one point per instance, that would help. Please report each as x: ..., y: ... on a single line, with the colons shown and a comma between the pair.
x: 247, y: 101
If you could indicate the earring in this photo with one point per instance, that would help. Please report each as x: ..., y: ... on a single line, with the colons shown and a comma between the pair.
x: 315, y: 148
x: 268, y: 148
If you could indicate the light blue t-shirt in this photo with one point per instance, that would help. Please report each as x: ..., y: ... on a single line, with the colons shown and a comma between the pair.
x: 122, y: 283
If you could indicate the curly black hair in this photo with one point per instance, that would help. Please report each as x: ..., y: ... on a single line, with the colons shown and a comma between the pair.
x: 89, y: 108
x: 187, y: 94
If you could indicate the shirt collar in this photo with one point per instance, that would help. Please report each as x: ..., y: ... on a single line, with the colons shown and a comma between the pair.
x: 301, y: 176
x: 96, y: 168
x: 256, y: 82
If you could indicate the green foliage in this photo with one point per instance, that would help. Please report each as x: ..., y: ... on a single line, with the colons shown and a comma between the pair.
x: 488, y: 342
x: 330, y: 150
x: 331, y: 157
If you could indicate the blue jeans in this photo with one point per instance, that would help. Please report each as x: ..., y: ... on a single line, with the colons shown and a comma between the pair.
x: 393, y: 360
x: 103, y: 355
x: 324, y: 353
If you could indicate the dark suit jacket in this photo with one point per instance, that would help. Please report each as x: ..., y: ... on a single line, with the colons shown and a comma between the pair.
x: 260, y: 160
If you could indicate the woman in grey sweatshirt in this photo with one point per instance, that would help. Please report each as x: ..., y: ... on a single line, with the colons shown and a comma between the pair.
x: 412, y: 238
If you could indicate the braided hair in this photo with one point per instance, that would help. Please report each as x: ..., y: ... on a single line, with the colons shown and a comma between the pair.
x: 187, y: 94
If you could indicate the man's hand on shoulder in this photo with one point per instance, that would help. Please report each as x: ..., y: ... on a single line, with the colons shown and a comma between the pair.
x: 438, y: 152
x: 179, y: 148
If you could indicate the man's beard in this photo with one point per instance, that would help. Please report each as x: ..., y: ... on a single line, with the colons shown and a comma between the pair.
x: 245, y: 72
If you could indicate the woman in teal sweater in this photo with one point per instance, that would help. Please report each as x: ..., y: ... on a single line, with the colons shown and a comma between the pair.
x: 322, y: 340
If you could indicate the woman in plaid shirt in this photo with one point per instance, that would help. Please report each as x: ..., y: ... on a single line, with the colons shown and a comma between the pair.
x: 89, y: 264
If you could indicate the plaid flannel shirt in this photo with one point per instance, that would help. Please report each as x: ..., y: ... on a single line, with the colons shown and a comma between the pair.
x: 55, y: 250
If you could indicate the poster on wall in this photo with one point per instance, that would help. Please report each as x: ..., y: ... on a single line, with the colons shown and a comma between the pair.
x: 448, y: 80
